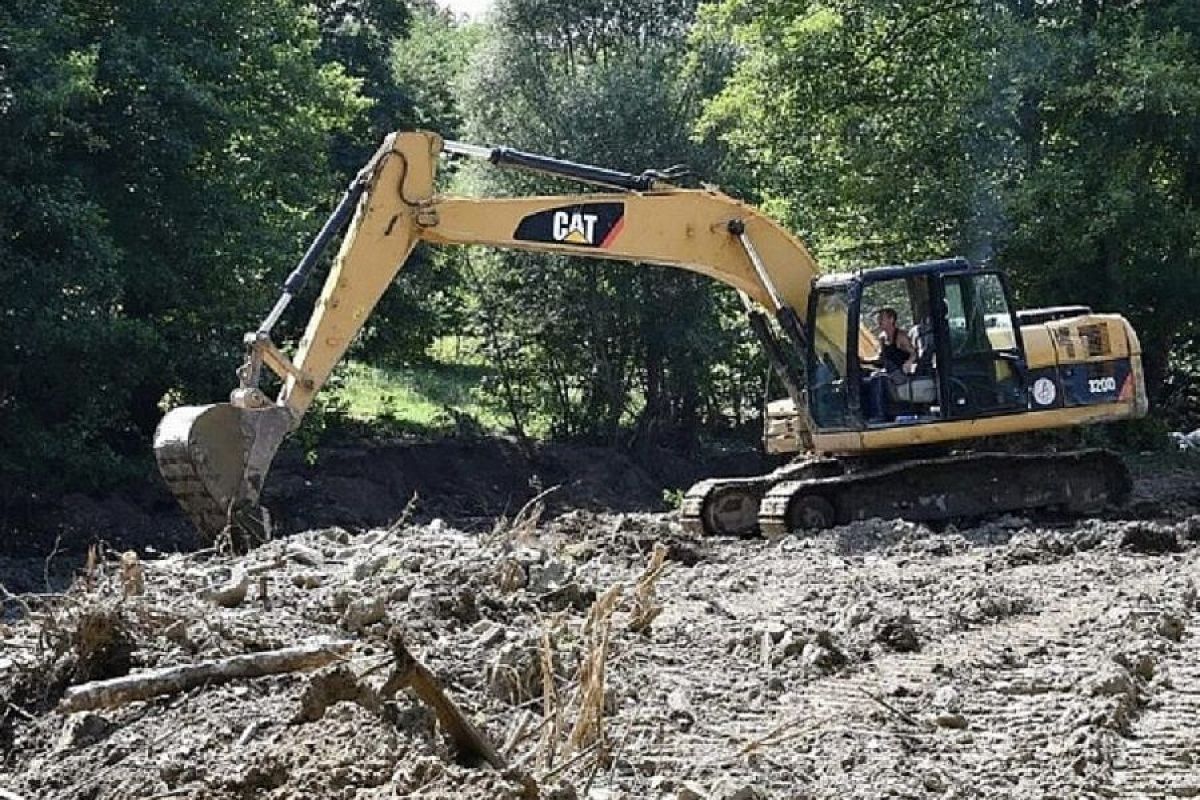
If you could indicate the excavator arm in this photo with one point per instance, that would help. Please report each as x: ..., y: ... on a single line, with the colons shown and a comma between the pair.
x: 697, y: 230
x: 215, y: 458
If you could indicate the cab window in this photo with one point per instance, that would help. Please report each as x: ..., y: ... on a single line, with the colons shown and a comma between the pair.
x: 827, y: 365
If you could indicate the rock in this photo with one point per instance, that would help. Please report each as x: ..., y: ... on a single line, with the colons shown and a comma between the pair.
x: 340, y: 597
x: 559, y: 790
x: 301, y: 554
x: 336, y: 534
x: 461, y: 605
x: 1149, y: 538
x: 515, y: 673
x: 233, y: 593
x: 822, y: 654
x: 528, y: 556
x: 662, y: 784
x: 308, y: 580
x: 854, y: 615
x: 412, y: 562
x: 728, y: 789
x: 950, y: 719
x: 946, y: 697
x: 363, y: 612
x: 898, y: 633
x: 690, y: 791
x: 367, y: 567
x: 933, y: 782
x: 330, y: 686
x: 679, y: 708
x: 421, y: 601
x: 572, y: 595
x: 176, y: 770
x: 1113, y: 682
x: 1141, y: 663
x: 552, y: 575
x: 791, y: 645
x: 1011, y: 522
x: 83, y: 729
x: 1170, y: 626
x: 775, y: 631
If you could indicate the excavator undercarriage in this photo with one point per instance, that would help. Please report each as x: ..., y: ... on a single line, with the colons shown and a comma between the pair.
x: 813, y: 493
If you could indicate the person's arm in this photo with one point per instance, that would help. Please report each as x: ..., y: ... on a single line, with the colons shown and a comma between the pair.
x: 905, y: 343
x: 877, y: 361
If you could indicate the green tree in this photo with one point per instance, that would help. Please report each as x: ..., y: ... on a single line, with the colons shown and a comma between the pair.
x: 1055, y: 139
x: 426, y: 65
x: 158, y: 175
x: 593, y: 346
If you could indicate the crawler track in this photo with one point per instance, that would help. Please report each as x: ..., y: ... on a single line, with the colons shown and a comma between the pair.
x: 818, y: 493
x: 729, y: 506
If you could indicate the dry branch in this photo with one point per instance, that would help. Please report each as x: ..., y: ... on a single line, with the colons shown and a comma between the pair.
x: 524, y: 524
x: 133, y: 575
x: 171, y: 680
x: 645, y: 608
x: 589, y: 725
x: 899, y: 714
x: 551, y: 708
x: 410, y: 673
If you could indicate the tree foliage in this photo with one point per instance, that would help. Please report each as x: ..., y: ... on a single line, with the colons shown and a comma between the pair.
x: 1058, y: 140
x: 164, y: 164
x: 595, y: 346
x: 159, y: 161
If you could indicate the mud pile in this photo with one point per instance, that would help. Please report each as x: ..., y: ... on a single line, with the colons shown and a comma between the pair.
x: 611, y: 655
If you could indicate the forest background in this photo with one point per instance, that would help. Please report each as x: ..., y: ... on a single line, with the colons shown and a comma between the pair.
x: 163, y: 164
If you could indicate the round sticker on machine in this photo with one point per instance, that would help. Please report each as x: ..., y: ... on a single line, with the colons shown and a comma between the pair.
x: 1044, y: 391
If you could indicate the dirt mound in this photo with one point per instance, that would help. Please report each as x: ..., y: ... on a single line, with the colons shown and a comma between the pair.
x: 466, y: 481
x: 611, y: 655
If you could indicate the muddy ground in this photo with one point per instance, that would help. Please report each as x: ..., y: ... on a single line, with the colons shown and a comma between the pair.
x: 1011, y: 658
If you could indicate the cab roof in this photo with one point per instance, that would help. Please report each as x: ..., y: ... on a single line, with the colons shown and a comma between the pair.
x: 936, y: 267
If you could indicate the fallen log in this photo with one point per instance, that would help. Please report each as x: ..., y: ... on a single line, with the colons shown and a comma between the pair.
x: 171, y: 680
x: 409, y: 673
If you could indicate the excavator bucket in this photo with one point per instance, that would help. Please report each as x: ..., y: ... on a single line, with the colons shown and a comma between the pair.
x: 214, y: 459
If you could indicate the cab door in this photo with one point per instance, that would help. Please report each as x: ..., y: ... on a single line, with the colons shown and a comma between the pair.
x: 980, y: 346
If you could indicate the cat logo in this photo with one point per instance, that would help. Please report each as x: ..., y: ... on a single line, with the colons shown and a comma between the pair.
x: 575, y: 228
x: 582, y: 225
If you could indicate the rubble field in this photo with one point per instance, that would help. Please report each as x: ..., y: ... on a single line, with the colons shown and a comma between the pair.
x: 611, y: 655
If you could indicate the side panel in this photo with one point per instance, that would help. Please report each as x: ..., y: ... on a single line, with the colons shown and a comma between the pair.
x: 1083, y: 384
x: 901, y: 436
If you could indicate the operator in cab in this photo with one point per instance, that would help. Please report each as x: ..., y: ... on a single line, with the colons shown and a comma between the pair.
x: 895, y: 347
x: 897, y: 358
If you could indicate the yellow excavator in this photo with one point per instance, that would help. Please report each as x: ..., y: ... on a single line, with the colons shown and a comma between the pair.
x: 871, y: 437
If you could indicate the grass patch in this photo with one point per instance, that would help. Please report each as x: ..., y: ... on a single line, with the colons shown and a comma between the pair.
x: 424, y: 397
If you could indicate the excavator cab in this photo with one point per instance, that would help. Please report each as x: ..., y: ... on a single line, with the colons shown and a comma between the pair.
x: 967, y: 358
